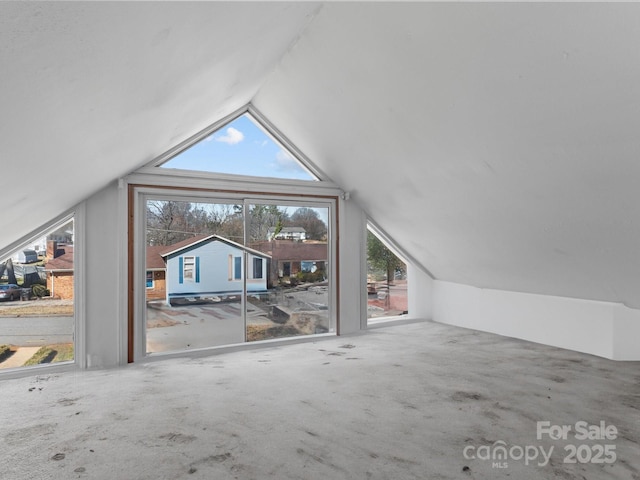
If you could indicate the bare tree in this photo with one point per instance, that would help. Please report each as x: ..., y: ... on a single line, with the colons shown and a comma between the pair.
x: 309, y: 219
x: 264, y: 217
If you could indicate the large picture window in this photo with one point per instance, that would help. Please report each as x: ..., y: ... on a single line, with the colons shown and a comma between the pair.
x: 228, y: 270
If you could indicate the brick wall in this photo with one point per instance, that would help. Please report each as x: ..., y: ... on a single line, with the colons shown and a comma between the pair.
x: 60, y: 284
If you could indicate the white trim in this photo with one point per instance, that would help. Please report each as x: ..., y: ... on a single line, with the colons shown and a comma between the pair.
x: 122, y: 324
x: 139, y: 275
x: 79, y: 287
x: 211, y: 181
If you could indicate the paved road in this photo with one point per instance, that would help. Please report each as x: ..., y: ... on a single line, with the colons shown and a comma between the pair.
x: 35, y: 331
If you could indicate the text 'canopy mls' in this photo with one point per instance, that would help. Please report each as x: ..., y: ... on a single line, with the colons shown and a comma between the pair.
x: 241, y: 147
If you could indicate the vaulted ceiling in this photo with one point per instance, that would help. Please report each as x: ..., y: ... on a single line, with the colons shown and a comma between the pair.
x: 496, y: 143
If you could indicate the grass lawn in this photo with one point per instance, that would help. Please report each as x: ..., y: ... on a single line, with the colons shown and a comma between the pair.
x: 62, y: 352
x: 5, y: 351
x: 40, y: 308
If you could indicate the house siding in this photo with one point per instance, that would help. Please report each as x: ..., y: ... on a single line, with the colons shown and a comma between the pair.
x: 212, y: 273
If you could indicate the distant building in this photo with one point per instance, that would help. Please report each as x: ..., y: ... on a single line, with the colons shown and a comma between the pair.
x: 287, y: 233
x: 290, y: 258
x: 59, y: 270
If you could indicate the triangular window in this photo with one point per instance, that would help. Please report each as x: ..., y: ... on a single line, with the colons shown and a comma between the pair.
x: 241, y: 147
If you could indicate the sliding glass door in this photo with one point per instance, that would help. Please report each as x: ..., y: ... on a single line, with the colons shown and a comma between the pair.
x: 230, y: 270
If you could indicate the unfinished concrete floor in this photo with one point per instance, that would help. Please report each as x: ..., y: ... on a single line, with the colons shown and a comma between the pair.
x: 414, y: 401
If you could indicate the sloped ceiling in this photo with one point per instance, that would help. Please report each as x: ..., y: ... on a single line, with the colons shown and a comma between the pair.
x: 496, y: 143
x: 92, y: 90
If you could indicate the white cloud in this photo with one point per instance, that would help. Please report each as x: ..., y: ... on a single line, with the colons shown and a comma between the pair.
x: 285, y: 161
x: 232, y: 137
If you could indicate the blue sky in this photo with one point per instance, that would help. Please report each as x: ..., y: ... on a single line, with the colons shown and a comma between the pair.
x: 243, y: 148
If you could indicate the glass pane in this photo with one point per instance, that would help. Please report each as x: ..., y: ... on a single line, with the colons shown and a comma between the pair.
x: 36, y: 301
x: 194, y: 281
x: 242, y: 147
x: 386, y: 281
x: 288, y: 291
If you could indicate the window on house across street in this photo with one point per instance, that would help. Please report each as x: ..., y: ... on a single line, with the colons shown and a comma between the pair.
x: 257, y: 268
x: 189, y: 265
x: 237, y: 268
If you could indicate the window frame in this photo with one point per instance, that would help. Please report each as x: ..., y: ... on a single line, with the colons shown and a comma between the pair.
x: 258, y: 261
x: 268, y: 193
x: 386, y: 240
x: 78, y: 215
x: 188, y: 267
x: 150, y: 272
x: 237, y: 268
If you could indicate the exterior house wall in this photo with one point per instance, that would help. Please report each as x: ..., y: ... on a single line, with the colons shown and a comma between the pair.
x: 292, y: 253
x: 216, y: 271
x: 60, y: 284
x: 159, y: 289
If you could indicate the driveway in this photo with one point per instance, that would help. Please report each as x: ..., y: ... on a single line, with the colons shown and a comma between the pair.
x: 198, y: 326
x: 208, y: 324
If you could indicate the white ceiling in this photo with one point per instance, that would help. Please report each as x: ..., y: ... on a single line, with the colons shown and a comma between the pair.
x: 92, y: 90
x: 497, y: 143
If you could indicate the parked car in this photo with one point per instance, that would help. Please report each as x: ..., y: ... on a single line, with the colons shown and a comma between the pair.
x: 10, y: 291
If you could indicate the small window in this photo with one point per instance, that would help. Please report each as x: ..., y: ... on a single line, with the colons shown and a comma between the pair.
x: 189, y: 266
x: 308, y: 267
x: 257, y: 268
x: 386, y: 280
x: 149, y: 279
x: 237, y: 268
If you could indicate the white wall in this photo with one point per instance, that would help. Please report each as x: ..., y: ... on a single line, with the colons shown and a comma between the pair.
x: 599, y: 328
x: 420, y: 293
x: 103, y: 280
x: 626, y: 334
x: 353, y: 307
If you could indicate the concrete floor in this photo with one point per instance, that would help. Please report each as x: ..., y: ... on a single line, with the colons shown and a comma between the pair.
x: 413, y: 401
